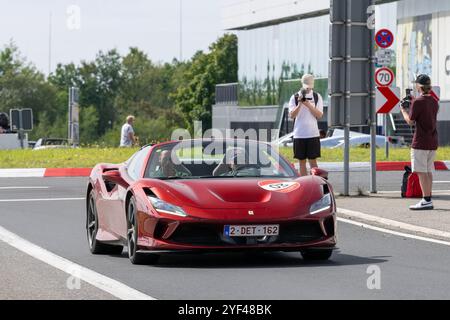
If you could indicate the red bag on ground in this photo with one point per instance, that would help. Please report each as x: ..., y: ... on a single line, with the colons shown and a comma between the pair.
x: 411, y: 185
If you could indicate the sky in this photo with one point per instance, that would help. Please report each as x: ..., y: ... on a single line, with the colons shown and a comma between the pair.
x: 80, y: 28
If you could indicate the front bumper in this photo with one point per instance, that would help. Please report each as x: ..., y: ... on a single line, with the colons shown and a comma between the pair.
x: 164, y: 235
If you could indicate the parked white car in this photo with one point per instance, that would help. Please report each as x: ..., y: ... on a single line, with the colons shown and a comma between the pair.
x: 49, y: 143
x: 357, y: 139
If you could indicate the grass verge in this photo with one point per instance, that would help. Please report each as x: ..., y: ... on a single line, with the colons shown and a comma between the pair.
x: 89, y: 157
x: 63, y: 158
x: 363, y: 154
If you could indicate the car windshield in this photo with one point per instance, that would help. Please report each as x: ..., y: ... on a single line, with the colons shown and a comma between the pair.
x: 195, y: 159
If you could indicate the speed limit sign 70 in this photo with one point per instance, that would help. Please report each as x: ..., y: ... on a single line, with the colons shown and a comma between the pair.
x: 384, y: 77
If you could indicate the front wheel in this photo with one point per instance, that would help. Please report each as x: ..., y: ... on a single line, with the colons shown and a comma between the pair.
x: 316, y: 255
x: 95, y: 246
x: 132, y: 236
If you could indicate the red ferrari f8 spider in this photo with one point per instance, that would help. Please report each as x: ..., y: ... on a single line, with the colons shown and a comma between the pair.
x: 207, y: 196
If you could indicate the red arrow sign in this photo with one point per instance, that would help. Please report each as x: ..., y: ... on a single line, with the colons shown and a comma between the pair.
x: 392, y: 100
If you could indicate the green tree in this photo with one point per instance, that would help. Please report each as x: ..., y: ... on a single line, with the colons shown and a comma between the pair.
x: 162, y: 96
x: 196, y: 95
x: 99, y: 82
x: 89, y: 119
x: 22, y: 86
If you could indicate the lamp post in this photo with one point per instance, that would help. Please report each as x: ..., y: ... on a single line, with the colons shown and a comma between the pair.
x: 181, y: 30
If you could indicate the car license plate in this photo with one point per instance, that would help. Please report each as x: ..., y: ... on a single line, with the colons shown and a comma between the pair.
x: 252, y: 231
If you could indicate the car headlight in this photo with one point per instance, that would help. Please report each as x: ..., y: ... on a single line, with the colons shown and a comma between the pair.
x: 321, y: 205
x: 164, y: 207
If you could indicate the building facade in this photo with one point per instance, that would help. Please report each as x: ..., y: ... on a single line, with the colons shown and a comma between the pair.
x: 280, y: 40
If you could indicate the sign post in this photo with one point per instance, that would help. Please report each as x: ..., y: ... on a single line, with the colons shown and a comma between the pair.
x: 351, y: 72
x: 21, y: 120
x: 74, y: 110
x: 373, y: 114
x: 388, y: 98
x: 384, y: 77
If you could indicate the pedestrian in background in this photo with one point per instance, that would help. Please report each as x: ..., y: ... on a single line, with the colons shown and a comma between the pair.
x: 423, y: 115
x: 306, y: 108
x: 127, y: 138
x: 4, y: 123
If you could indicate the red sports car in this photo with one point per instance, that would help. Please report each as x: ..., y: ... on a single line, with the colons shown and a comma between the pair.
x: 209, y: 195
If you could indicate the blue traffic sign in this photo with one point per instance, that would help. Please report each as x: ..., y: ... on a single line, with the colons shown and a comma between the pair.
x: 384, y: 38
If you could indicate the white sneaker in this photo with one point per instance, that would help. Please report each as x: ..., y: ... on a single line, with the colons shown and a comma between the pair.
x: 422, y: 205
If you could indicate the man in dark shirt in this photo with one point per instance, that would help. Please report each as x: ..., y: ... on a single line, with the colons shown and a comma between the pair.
x: 423, y: 115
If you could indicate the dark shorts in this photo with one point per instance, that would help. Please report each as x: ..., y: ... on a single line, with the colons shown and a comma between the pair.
x: 307, y: 149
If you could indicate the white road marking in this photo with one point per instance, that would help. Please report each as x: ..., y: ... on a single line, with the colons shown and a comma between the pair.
x: 400, y: 234
x: 398, y: 192
x: 395, y: 224
x: 22, y: 188
x: 441, y: 182
x: 111, y: 286
x: 40, y: 200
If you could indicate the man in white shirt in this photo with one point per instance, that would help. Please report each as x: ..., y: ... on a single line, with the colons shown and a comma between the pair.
x: 127, y: 138
x: 306, y: 108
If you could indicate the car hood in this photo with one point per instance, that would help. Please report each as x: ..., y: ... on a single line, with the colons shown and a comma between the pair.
x: 239, y: 193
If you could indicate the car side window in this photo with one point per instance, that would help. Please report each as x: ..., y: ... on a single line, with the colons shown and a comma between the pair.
x: 136, y: 163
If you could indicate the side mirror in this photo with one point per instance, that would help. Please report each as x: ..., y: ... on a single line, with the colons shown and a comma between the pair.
x: 320, y: 173
x: 114, y: 176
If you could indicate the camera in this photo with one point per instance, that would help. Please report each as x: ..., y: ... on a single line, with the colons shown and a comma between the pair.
x: 406, y: 102
x: 304, y: 92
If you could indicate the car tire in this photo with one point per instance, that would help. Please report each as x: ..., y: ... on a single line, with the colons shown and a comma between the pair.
x: 132, y: 235
x: 95, y: 246
x: 317, y: 255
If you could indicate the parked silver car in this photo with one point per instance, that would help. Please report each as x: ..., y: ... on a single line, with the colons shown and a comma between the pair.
x: 357, y: 139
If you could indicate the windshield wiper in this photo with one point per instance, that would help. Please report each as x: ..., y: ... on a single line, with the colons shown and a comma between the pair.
x: 215, y: 177
x: 220, y: 177
x: 243, y: 176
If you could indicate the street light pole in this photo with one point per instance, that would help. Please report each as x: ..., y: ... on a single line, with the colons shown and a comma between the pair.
x: 373, y: 114
x: 50, y: 30
x: 181, y: 30
x: 347, y: 96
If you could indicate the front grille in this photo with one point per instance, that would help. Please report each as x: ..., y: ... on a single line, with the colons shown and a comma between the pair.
x: 300, y: 232
x: 197, y: 234
x: 212, y: 235
x: 330, y: 226
x: 160, y: 229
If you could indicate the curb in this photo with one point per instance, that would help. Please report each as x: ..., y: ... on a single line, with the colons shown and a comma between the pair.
x: 67, y: 172
x: 22, y: 173
x: 393, y: 224
x: 329, y: 166
x: 45, y: 173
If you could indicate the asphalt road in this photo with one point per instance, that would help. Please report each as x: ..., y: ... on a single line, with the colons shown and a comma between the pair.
x: 410, y: 269
x: 386, y: 181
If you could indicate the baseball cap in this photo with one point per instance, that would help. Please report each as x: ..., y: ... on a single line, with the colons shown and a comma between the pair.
x: 308, y: 81
x: 423, y: 80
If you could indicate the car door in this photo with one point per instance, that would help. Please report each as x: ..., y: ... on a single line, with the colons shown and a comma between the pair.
x: 130, y: 172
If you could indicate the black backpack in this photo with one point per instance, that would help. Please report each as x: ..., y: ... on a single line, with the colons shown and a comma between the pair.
x: 315, y: 95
